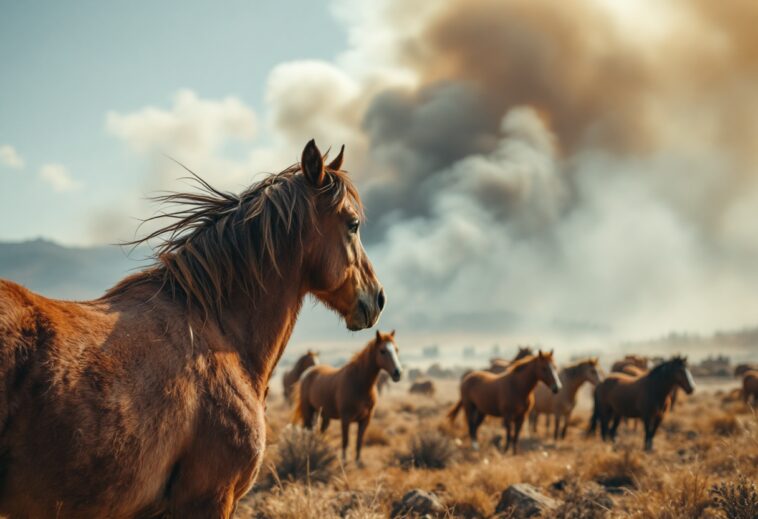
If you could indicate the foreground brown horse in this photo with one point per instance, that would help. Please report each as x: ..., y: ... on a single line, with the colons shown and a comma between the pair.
x: 149, y: 401
x: 509, y: 395
x: 347, y: 394
x: 561, y: 404
x: 290, y: 378
x: 646, y: 397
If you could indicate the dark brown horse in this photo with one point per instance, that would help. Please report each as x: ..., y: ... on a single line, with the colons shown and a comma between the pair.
x: 290, y: 378
x: 149, y: 401
x: 509, y: 395
x: 750, y: 386
x: 422, y: 387
x: 646, y: 397
x: 498, y: 365
x: 347, y: 394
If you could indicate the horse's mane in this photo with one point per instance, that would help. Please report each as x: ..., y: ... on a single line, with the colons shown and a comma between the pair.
x: 215, y: 240
x: 518, y: 365
x: 361, y: 356
x: 576, y: 366
x: 665, y: 367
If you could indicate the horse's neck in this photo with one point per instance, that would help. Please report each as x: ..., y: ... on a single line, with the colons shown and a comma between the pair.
x: 572, y: 382
x: 660, y: 384
x: 527, y: 379
x: 259, y: 327
x: 364, y: 370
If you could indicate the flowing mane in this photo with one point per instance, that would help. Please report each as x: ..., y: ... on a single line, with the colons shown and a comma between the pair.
x: 519, y: 364
x: 265, y: 222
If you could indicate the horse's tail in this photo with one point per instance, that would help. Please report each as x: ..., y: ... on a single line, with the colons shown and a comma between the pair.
x: 455, y: 410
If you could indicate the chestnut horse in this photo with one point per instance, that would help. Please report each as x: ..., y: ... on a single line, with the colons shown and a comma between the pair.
x: 290, y: 378
x: 562, y: 404
x: 645, y: 397
x: 149, y: 401
x: 349, y: 393
x: 509, y: 395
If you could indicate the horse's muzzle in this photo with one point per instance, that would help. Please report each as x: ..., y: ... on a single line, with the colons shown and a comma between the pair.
x: 367, y: 310
x: 396, y: 375
x: 555, y: 388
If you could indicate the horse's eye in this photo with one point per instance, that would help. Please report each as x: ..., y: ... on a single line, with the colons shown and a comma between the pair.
x: 353, y: 225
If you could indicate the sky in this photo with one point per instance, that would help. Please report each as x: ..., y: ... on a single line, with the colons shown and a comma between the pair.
x: 538, y: 170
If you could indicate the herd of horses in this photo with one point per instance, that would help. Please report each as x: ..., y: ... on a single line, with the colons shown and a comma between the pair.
x: 150, y: 400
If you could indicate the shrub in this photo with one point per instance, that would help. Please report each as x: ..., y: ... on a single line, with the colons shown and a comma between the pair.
x: 620, y: 471
x: 736, y: 499
x: 429, y: 449
x: 302, y: 455
x: 725, y: 425
x: 584, y: 503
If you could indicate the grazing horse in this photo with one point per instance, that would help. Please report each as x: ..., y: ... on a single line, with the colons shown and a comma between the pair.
x: 290, y: 378
x: 645, y: 397
x: 509, y: 395
x: 149, y: 401
x: 562, y: 404
x: 349, y: 393
x: 750, y: 386
x: 498, y: 365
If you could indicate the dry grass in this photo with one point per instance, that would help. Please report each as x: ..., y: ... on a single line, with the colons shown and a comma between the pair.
x: 693, y: 472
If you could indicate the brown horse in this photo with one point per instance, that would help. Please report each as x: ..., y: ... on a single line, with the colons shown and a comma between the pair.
x: 741, y: 369
x: 637, y: 361
x: 349, y: 393
x: 509, y: 395
x: 498, y: 365
x: 562, y: 404
x: 422, y: 387
x: 290, y: 378
x: 645, y: 397
x: 149, y: 401
x: 750, y: 386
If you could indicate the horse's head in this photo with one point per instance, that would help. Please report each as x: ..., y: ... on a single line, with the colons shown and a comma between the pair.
x: 523, y: 351
x: 339, y: 272
x: 546, y: 371
x: 590, y: 371
x: 311, y: 358
x: 386, y: 354
x: 681, y: 374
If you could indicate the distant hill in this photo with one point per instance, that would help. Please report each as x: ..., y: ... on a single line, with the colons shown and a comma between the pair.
x: 66, y: 272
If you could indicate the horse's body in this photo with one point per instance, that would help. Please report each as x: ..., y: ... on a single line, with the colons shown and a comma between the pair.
x: 646, y: 397
x: 290, y: 378
x: 349, y: 393
x: 741, y: 369
x: 509, y: 395
x: 498, y: 365
x: 422, y: 387
x: 149, y: 401
x: 637, y: 361
x: 750, y: 386
x: 561, y: 404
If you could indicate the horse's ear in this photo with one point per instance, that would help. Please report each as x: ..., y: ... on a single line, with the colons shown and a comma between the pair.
x: 539, y: 354
x: 312, y: 164
x: 378, y: 336
x: 336, y: 164
x: 392, y: 333
x: 551, y: 353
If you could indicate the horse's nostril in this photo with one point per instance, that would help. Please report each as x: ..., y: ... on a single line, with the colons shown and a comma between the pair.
x: 380, y: 299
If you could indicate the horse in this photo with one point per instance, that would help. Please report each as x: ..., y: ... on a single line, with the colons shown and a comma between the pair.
x: 645, y: 397
x: 149, y: 401
x: 741, y: 369
x: 638, y: 361
x: 347, y: 394
x: 290, y: 378
x: 509, y: 395
x: 498, y: 365
x: 422, y: 387
x: 562, y: 404
x: 750, y: 386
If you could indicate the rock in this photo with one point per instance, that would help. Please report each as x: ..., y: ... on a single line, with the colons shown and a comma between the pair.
x: 523, y: 500
x: 418, y: 502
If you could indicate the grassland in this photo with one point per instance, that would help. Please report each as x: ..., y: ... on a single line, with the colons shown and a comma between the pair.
x: 708, y: 440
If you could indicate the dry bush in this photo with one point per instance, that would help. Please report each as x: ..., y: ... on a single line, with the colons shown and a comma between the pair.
x: 619, y: 470
x: 725, y: 425
x: 429, y: 449
x: 375, y: 436
x: 736, y: 499
x: 681, y: 496
x: 302, y: 455
x: 584, y: 503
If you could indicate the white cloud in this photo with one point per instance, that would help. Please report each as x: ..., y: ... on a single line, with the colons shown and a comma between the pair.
x: 58, y: 178
x: 10, y: 157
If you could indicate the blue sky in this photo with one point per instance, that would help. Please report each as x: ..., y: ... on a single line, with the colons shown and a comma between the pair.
x: 66, y: 65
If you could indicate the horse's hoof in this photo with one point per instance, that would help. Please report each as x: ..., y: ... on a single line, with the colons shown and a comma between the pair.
x: 475, y: 445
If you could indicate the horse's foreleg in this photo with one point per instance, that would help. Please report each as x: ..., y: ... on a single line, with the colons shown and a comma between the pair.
x: 533, y: 417
x: 614, y: 427
x: 359, y: 439
x: 566, y: 419
x: 474, y: 419
x: 651, y: 426
x: 517, y: 431
x: 507, y: 426
x: 557, y: 420
x: 345, y: 438
x: 324, y: 424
